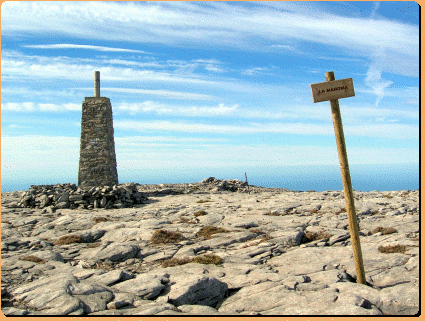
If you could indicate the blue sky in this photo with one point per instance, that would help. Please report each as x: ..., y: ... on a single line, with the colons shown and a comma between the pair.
x: 203, y: 86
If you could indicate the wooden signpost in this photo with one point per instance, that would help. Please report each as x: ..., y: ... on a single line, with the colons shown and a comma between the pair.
x: 333, y: 90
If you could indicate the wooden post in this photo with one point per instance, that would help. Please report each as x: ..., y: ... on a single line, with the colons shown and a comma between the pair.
x: 346, y: 182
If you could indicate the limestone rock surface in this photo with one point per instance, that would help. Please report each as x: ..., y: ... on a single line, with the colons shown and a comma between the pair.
x: 207, y: 248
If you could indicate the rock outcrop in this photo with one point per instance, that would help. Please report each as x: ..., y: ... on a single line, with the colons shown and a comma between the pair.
x: 199, y: 249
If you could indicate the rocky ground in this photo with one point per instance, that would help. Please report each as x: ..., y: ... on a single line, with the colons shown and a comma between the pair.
x: 211, y: 248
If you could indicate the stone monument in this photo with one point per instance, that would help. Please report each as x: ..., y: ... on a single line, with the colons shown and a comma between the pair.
x: 98, y: 165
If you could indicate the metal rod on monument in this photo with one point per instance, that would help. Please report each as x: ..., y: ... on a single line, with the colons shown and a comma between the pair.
x: 97, y: 83
x: 332, y: 90
x: 246, y: 180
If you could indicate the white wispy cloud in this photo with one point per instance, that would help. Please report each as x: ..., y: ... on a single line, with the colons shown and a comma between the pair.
x: 164, y: 109
x: 375, y: 8
x: 84, y: 47
x: 284, y: 47
x: 17, y: 126
x: 29, y: 92
x: 16, y: 66
x: 375, y: 81
x: 389, y: 131
x: 39, y: 67
x: 162, y: 93
x: 390, y: 46
x: 213, y: 68
x: 212, y: 24
x: 256, y: 71
x: 136, y: 140
x: 31, y: 107
x: 27, y: 106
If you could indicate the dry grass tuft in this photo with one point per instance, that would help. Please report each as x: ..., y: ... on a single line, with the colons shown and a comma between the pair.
x: 208, y: 259
x: 203, y: 201
x: 342, y: 210
x: 32, y: 258
x: 93, y: 245
x: 102, y: 266
x: 163, y: 236
x: 69, y: 239
x: 273, y: 213
x: 392, y: 249
x: 100, y: 219
x: 266, y: 237
x: 200, y: 213
x: 186, y: 220
x: 314, y: 236
x: 257, y: 231
x: 209, y: 230
x: 175, y: 262
x: 384, y: 230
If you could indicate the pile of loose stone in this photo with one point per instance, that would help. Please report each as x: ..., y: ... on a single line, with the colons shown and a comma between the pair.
x: 70, y: 196
x: 232, y: 185
x: 269, y: 252
x: 210, y: 185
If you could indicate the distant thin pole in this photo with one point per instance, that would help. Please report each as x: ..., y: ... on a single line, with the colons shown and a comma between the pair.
x: 246, y: 180
x: 346, y: 182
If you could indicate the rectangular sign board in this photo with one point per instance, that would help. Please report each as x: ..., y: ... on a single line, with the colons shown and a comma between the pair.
x: 329, y: 90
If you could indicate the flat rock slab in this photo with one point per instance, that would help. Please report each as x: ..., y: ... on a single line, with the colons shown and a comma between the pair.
x: 146, y: 286
x: 197, y: 290
x: 110, y: 251
x: 278, y: 252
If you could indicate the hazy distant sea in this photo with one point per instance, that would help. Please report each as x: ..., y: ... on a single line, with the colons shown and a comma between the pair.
x: 298, y: 178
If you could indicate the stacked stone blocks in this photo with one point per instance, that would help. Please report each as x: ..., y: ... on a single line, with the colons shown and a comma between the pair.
x: 98, y: 165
